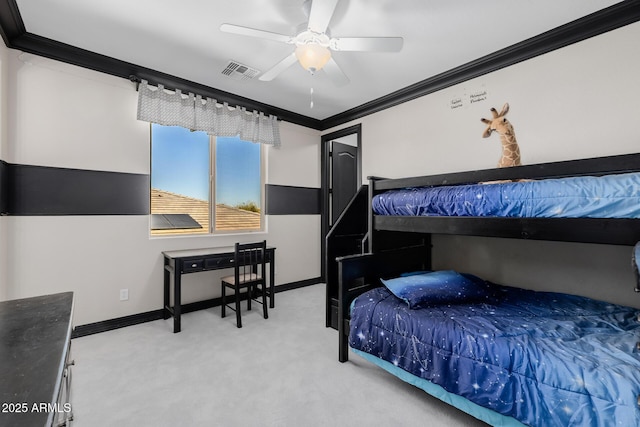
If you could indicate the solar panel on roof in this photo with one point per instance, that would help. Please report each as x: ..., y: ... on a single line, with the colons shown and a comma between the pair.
x: 173, y: 221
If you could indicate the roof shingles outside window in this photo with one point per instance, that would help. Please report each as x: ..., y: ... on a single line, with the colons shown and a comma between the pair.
x: 227, y: 218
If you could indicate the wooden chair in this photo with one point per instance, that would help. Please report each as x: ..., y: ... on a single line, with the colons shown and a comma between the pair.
x: 249, y: 272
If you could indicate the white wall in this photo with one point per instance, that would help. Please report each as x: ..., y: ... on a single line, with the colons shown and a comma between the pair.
x: 66, y: 116
x: 577, y: 102
x: 296, y: 237
x: 4, y: 99
x: 4, y: 87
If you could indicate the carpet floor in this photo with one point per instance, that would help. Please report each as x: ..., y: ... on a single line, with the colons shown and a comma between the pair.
x: 283, y: 371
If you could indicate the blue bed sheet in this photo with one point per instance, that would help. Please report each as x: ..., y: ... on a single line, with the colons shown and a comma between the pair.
x: 610, y: 196
x: 545, y: 359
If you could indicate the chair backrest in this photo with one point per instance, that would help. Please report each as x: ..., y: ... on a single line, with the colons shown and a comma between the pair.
x: 248, y: 257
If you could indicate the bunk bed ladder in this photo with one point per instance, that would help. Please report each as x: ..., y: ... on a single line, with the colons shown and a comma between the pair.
x: 347, y: 236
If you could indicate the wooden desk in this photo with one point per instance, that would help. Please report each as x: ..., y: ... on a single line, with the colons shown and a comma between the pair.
x: 177, y: 263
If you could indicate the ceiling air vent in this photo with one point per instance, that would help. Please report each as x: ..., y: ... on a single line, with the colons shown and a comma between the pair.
x: 238, y: 71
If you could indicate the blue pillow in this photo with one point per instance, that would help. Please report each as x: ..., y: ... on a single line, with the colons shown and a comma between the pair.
x: 438, y: 287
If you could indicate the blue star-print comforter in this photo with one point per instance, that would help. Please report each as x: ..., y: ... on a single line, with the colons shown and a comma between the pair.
x: 546, y: 359
x: 610, y: 196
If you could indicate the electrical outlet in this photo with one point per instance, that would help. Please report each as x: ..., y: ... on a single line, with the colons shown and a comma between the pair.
x: 124, y: 294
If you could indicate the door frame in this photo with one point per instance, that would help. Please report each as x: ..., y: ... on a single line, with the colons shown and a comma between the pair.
x: 325, y: 161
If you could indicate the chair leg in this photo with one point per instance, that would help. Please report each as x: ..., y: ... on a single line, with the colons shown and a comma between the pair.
x: 249, y: 294
x: 238, y: 319
x: 264, y: 302
x: 224, y: 301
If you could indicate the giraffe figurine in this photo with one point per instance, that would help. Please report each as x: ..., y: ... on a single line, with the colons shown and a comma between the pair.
x: 510, y: 150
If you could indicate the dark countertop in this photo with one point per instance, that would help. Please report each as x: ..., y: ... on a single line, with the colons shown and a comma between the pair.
x: 34, y: 337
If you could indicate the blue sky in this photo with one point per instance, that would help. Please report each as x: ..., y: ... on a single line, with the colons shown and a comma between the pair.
x: 180, y: 164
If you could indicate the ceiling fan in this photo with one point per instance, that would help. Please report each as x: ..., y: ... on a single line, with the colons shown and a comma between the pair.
x: 314, y: 45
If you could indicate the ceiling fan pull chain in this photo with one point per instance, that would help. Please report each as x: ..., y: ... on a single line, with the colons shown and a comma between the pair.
x: 311, y: 96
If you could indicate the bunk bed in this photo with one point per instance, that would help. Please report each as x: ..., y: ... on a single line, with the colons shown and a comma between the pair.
x: 505, y: 355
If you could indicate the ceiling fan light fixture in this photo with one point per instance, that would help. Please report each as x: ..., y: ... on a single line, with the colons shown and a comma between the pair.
x: 312, y: 56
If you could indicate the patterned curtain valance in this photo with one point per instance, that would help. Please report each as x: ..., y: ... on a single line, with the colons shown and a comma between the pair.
x: 158, y: 105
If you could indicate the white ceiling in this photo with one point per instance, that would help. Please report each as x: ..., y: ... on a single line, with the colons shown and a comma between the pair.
x: 183, y: 39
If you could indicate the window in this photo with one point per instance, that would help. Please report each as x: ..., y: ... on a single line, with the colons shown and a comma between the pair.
x: 191, y: 169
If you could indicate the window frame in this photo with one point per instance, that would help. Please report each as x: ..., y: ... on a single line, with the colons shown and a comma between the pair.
x: 211, y: 231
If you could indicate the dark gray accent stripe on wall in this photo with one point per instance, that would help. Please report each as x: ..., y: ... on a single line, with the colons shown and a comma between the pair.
x: 41, y: 190
x: 4, y: 188
x: 289, y: 200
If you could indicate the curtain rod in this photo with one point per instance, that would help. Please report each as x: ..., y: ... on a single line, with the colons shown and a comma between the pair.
x: 137, y: 80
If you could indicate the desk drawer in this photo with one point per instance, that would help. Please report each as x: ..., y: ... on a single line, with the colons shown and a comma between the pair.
x: 215, y: 263
x: 192, y: 265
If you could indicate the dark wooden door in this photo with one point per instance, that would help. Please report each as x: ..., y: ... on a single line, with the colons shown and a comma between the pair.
x: 344, y: 177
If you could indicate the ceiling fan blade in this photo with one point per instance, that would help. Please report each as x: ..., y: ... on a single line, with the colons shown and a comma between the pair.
x: 320, y: 15
x: 252, y: 32
x: 335, y: 73
x: 273, y: 72
x: 370, y: 44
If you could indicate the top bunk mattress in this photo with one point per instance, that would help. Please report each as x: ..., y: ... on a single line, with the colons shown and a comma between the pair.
x: 609, y: 196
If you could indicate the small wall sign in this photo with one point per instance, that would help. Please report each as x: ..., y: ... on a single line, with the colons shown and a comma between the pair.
x: 468, y: 98
x: 478, y: 96
x: 456, y: 103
